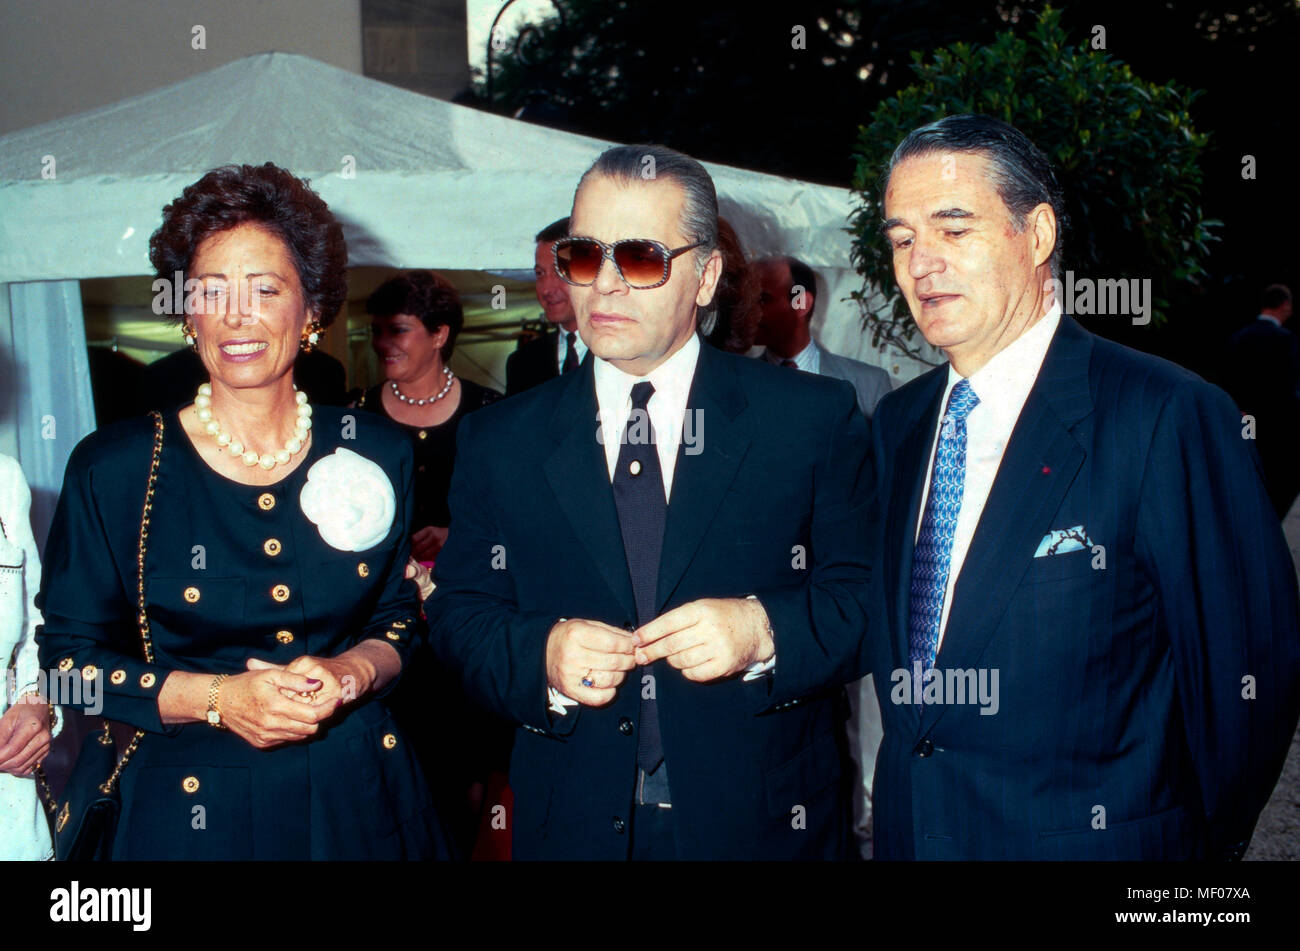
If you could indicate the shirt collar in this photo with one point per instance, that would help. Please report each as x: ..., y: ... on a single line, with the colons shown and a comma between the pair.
x: 1004, y: 382
x: 1270, y: 317
x: 805, y: 359
x: 671, y: 380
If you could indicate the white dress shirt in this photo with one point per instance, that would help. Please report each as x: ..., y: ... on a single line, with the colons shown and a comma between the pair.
x: 809, y: 359
x: 667, y: 410
x: 667, y: 407
x: 562, y: 347
x: 1002, y: 385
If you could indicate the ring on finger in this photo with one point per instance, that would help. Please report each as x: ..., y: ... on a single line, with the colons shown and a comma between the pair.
x: 587, y: 681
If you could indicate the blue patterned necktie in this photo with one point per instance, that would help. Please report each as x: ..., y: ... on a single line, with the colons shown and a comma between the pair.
x: 932, y: 557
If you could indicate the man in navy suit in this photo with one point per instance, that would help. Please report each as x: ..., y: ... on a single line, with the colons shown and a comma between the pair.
x: 671, y: 624
x: 1090, y: 645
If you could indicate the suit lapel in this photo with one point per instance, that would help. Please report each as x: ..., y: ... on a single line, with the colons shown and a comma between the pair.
x: 1042, y: 459
x: 579, y: 477
x: 701, y: 481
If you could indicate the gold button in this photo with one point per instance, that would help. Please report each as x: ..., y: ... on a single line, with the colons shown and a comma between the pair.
x: 284, y: 637
x: 400, y: 625
x: 393, y: 636
x: 190, y: 784
x: 363, y: 570
x: 280, y: 592
x: 390, y: 741
x: 90, y: 672
x: 266, y: 501
x: 119, y: 677
x: 423, y: 435
x: 271, y: 546
x: 148, y: 680
x: 191, y: 594
x: 65, y: 664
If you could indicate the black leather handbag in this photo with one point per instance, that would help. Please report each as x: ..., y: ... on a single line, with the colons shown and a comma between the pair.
x: 86, y: 824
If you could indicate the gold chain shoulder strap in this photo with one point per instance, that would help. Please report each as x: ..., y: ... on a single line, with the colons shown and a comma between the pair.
x: 142, y: 615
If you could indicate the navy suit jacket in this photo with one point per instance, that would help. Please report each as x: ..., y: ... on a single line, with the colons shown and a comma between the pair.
x: 776, y: 505
x: 1145, y: 707
x: 533, y: 362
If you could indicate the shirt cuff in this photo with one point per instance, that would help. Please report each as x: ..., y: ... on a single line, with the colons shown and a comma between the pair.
x: 762, y: 667
x: 559, y: 704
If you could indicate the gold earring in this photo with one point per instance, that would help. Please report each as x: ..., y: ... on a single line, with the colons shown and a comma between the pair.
x: 310, y: 336
x: 191, y: 337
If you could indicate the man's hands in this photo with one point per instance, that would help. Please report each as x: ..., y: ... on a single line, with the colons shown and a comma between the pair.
x: 588, y: 649
x: 708, y: 639
x: 24, y: 735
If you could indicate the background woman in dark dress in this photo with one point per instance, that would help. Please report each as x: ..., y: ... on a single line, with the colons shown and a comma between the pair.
x: 415, y: 317
x: 273, y: 574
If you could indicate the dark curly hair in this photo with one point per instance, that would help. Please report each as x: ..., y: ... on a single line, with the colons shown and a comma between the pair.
x: 423, y: 294
x: 265, y: 195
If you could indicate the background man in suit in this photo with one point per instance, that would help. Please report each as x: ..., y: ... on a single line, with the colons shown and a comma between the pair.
x: 786, y: 301
x: 1263, y: 374
x: 717, y: 542
x: 560, y: 349
x: 1079, y: 561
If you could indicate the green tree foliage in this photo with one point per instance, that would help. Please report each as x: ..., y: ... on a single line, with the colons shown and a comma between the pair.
x: 1125, y: 149
x: 778, y: 87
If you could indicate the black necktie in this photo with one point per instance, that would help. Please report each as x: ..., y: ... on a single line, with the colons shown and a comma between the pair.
x: 570, y: 354
x: 642, y: 511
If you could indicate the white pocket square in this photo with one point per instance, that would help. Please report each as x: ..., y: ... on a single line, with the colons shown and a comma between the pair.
x: 1062, y: 540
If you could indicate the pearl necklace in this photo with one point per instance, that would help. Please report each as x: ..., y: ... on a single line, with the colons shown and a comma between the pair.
x: 430, y: 399
x: 203, y: 407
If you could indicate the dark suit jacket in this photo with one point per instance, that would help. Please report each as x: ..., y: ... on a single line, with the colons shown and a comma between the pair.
x: 756, y: 768
x: 532, y: 362
x: 1121, y: 688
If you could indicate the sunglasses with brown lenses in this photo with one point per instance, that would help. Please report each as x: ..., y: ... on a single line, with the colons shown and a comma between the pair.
x: 640, y: 262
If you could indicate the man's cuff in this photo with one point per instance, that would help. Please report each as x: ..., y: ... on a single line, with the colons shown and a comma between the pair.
x: 763, y: 667
x: 558, y: 703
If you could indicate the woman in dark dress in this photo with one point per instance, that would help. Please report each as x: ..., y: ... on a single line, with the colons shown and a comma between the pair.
x: 415, y: 318
x: 273, y: 570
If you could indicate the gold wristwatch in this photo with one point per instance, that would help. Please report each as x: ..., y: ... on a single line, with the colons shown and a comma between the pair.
x: 214, y: 697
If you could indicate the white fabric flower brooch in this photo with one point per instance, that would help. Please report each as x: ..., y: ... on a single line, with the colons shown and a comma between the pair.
x: 350, y: 500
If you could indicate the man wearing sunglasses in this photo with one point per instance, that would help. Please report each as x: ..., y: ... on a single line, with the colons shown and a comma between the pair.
x: 673, y: 630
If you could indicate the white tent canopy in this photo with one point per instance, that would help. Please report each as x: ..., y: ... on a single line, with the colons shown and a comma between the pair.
x: 417, y: 182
